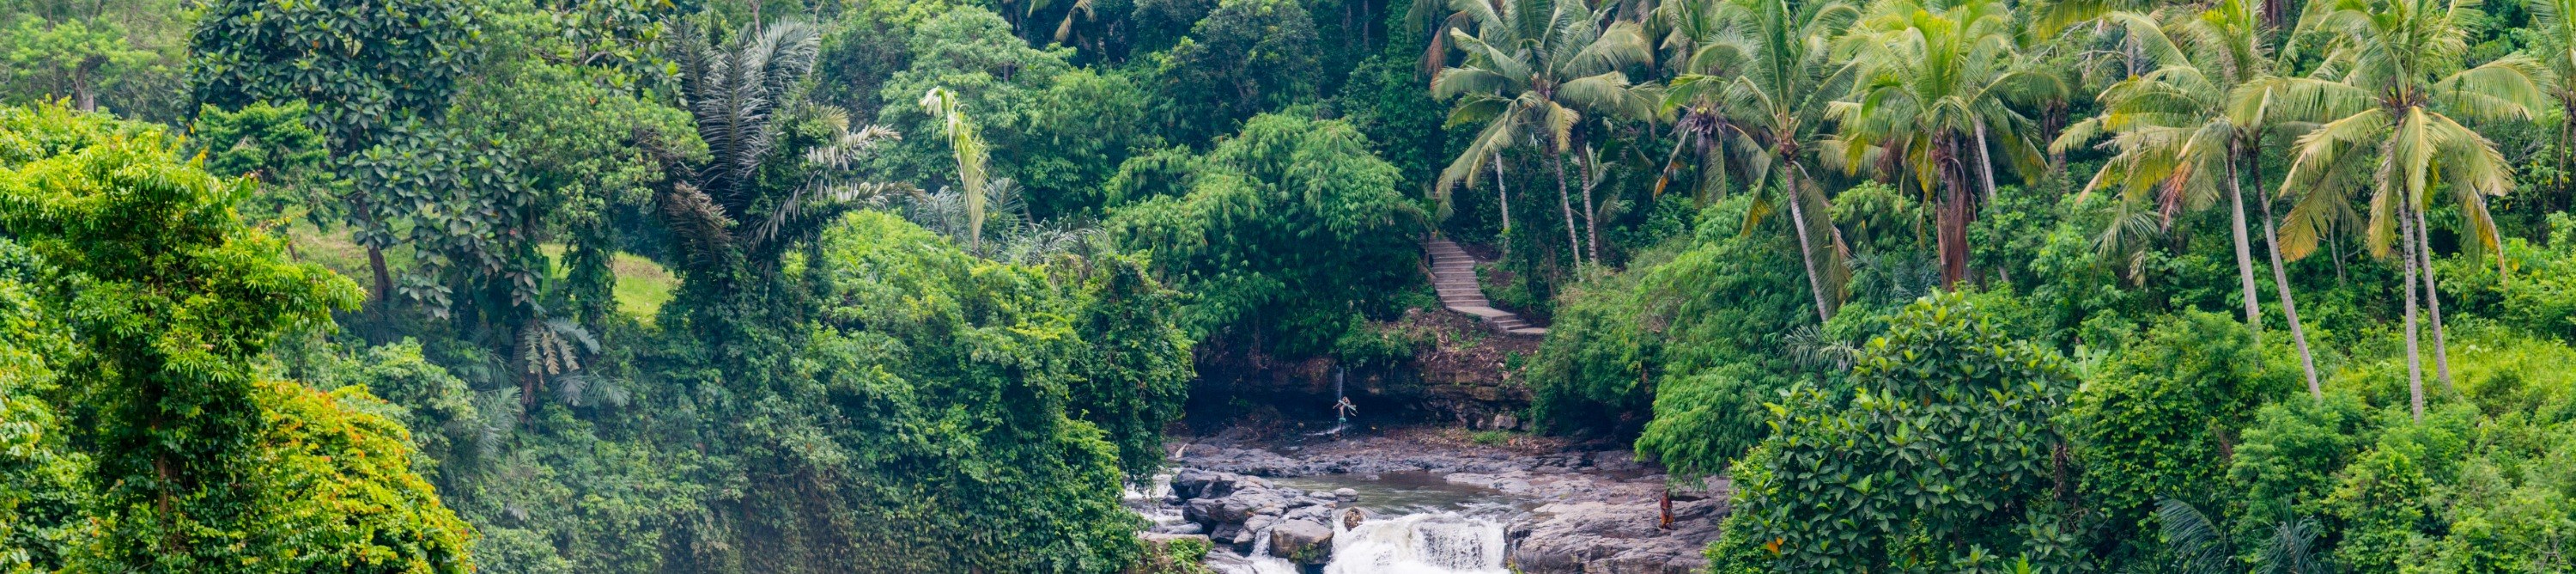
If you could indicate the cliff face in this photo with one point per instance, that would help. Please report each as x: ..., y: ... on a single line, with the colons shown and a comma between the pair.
x: 1462, y: 373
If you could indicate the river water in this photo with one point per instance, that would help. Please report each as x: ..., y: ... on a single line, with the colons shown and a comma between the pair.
x: 1424, y: 525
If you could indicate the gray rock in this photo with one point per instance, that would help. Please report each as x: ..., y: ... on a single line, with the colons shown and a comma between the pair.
x: 1345, y: 494
x: 1302, y: 542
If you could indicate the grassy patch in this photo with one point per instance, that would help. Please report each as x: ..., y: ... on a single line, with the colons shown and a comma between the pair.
x: 642, y: 285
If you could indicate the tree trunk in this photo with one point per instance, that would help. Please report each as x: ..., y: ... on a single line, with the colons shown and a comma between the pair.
x: 1806, y: 247
x: 1953, y: 233
x: 2414, y: 361
x: 2566, y: 137
x: 1591, y: 221
x: 1565, y: 201
x: 2244, y: 248
x: 1503, y: 197
x: 2281, y: 284
x: 384, y: 280
x: 2433, y: 302
x: 1985, y: 164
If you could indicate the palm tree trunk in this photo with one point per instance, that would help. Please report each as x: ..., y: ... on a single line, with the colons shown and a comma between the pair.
x: 1806, y: 248
x: 2433, y: 303
x: 2414, y: 361
x: 2244, y: 248
x: 1985, y: 164
x: 1591, y: 222
x: 2281, y: 284
x: 2566, y: 137
x: 1952, y: 237
x: 1565, y: 201
x: 1503, y: 197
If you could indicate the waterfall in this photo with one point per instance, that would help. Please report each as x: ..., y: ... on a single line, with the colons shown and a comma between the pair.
x: 1423, y: 543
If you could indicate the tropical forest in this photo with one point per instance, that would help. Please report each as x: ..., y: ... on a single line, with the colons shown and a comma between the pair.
x: 1288, y: 286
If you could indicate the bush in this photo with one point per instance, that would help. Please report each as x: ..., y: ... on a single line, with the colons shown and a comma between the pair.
x: 1940, y: 457
x: 2158, y: 422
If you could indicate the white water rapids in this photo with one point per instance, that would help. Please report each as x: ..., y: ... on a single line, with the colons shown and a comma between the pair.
x: 1419, y: 543
x: 1425, y: 527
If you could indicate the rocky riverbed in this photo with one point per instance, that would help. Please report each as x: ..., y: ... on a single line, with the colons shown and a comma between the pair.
x: 1431, y: 500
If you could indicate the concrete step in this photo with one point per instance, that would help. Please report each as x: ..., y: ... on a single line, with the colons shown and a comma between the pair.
x: 1528, y: 332
x: 1480, y: 311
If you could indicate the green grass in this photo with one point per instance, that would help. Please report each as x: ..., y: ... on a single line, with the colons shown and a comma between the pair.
x: 1491, y: 437
x: 642, y: 286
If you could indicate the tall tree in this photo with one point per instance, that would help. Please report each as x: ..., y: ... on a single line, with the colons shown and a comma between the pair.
x: 2554, y: 25
x: 366, y: 75
x: 2387, y: 129
x: 1532, y: 70
x: 2194, y: 126
x: 1934, y: 82
x: 1773, y: 79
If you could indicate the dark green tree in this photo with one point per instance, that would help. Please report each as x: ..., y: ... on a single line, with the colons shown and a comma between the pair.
x: 1941, y: 457
x: 1287, y: 233
x: 373, y: 72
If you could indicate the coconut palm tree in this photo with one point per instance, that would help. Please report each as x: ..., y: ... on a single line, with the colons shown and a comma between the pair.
x: 1773, y: 78
x: 2192, y: 126
x: 2387, y: 128
x: 2554, y: 22
x: 1934, y: 80
x: 1533, y: 69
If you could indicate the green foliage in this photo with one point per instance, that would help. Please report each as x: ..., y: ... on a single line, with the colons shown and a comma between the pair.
x: 365, y: 73
x: 1246, y: 57
x: 955, y: 378
x: 1712, y: 321
x: 73, y: 59
x: 1136, y: 369
x: 1287, y: 230
x: 1939, y: 459
x: 269, y: 143
x: 1705, y: 419
x: 2158, y: 422
x: 199, y: 462
x: 996, y: 78
x: 43, y: 480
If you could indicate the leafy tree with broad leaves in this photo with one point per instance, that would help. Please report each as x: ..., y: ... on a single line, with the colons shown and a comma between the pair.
x: 1940, y: 458
x: 374, y: 74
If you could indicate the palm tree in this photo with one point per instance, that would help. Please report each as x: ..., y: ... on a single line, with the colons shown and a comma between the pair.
x: 2194, y: 121
x: 2555, y: 23
x: 1934, y: 80
x: 2388, y: 126
x: 721, y: 215
x: 1532, y: 70
x: 1773, y: 78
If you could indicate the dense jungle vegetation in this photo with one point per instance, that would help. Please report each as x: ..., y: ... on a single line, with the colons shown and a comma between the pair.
x: 915, y: 285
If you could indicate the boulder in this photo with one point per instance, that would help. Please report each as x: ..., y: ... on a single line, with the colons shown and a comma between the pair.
x: 1302, y: 542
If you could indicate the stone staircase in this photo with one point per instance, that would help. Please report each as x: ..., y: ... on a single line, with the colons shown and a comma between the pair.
x: 1453, y: 274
